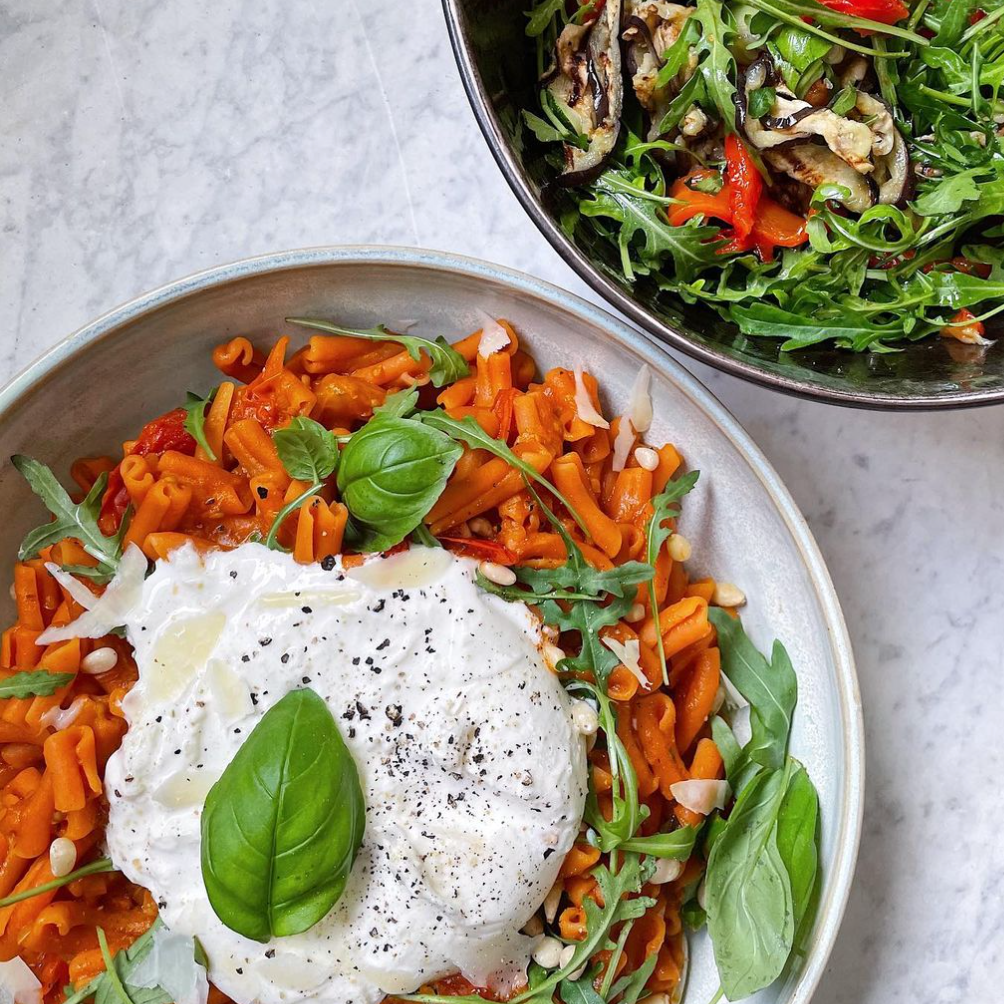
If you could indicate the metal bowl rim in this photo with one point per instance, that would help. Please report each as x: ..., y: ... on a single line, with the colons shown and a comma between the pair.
x: 838, y: 882
x: 616, y: 297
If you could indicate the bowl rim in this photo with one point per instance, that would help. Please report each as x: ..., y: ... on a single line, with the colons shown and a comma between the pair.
x: 834, y: 900
x: 513, y: 173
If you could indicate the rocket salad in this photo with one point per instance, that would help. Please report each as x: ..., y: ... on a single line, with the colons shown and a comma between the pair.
x: 826, y: 172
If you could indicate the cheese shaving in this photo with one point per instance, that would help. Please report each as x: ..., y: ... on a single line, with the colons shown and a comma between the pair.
x: 109, y: 612
x: 73, y: 586
x: 171, y: 967
x: 640, y: 405
x: 18, y: 984
x: 700, y: 795
x: 629, y: 653
x: 623, y: 442
x: 494, y: 338
x: 584, y: 405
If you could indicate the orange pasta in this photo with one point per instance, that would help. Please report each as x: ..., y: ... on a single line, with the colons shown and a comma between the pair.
x: 175, y: 492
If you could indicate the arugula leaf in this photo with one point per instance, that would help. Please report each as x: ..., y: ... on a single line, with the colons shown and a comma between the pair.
x: 678, y: 53
x: 466, y: 430
x: 308, y: 451
x: 544, y: 131
x: 728, y: 746
x: 400, y: 404
x: 949, y: 195
x: 677, y: 844
x: 579, y: 992
x: 195, y: 420
x: 771, y: 688
x: 718, y: 68
x: 761, y: 101
x: 664, y: 507
x: 98, y: 867
x: 448, y: 365
x: 629, y: 988
x: 844, y: 101
x: 34, y: 683
x: 542, y: 15
x: 70, y: 520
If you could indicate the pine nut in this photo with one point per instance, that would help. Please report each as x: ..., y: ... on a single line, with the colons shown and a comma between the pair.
x: 552, y: 901
x: 101, y: 660
x: 534, y: 927
x: 728, y: 595
x: 480, y: 527
x: 666, y: 870
x: 62, y: 857
x: 635, y: 614
x: 585, y: 718
x: 566, y: 956
x: 548, y: 953
x: 648, y: 459
x: 679, y: 547
x: 498, y: 574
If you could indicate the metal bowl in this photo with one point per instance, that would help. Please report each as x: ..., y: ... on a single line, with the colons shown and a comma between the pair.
x: 497, y: 65
x: 95, y: 389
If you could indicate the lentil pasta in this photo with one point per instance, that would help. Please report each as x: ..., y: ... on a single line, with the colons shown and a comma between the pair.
x: 561, y: 478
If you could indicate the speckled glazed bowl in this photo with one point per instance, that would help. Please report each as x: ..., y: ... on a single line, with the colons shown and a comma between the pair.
x: 139, y: 359
x: 497, y: 65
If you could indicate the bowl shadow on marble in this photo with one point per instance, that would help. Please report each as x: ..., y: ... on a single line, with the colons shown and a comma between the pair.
x: 497, y: 65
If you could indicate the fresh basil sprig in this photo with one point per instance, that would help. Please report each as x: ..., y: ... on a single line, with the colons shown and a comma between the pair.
x: 392, y: 472
x: 34, y: 683
x: 195, y: 420
x: 448, y: 365
x: 79, y: 521
x: 664, y: 506
x: 309, y: 452
x: 281, y: 827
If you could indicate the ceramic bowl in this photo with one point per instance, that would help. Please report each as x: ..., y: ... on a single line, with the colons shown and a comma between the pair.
x: 96, y: 388
x: 497, y: 65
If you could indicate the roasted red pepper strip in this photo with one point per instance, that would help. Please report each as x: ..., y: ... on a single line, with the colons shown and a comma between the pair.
x: 774, y: 225
x: 159, y: 436
x: 883, y: 11
x: 745, y: 186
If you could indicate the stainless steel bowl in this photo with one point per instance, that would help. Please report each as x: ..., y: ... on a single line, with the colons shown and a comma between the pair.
x: 497, y: 65
x: 95, y: 389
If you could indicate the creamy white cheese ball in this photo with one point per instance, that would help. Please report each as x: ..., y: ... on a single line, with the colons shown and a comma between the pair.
x: 473, y: 772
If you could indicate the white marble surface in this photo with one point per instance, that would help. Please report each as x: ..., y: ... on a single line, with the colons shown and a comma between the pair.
x: 142, y: 141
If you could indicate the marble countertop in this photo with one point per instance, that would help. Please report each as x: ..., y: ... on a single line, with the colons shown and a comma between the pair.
x: 143, y: 141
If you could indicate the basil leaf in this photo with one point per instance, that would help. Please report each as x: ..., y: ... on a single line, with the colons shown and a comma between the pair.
x: 195, y: 420
x: 392, y: 472
x: 34, y: 683
x: 71, y: 520
x: 771, y: 688
x: 748, y: 894
x: 448, y: 365
x: 797, y: 840
x: 308, y: 451
x: 281, y: 827
x: 663, y: 507
x: 800, y: 48
x: 466, y: 430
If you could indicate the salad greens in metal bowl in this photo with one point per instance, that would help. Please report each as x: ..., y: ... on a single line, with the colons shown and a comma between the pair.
x: 808, y: 194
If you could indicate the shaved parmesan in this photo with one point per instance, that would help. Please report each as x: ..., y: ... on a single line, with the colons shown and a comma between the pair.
x: 584, y: 405
x: 111, y: 608
x: 700, y: 795
x: 623, y: 442
x: 170, y: 966
x: 18, y: 984
x: 628, y: 652
x: 73, y: 586
x: 640, y: 405
x: 63, y: 718
x: 494, y: 338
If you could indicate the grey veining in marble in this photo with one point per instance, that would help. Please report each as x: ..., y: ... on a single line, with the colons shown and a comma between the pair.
x: 141, y: 141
